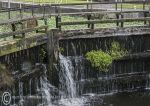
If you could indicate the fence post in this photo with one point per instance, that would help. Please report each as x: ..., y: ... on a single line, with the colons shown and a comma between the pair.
x: 58, y: 19
x: 122, y: 23
x: 92, y: 26
x: 9, y: 13
x: 117, y: 15
x: 44, y: 12
x: 89, y: 18
x: 13, y: 29
x: 145, y: 13
x: 21, y: 16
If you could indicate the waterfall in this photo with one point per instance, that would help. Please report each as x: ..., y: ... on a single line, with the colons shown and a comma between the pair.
x: 30, y: 87
x: 46, y: 89
x: 148, y: 82
x: 66, y: 77
x: 21, y: 101
x: 43, y: 88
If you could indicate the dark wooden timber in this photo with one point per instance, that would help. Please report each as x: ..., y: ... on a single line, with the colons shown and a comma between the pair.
x: 137, y: 56
x: 23, y: 31
x: 11, y: 21
x: 105, y: 21
x: 21, y: 44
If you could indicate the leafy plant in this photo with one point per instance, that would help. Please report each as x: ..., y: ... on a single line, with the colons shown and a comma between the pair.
x: 99, y: 59
x: 102, y: 60
x: 116, y: 51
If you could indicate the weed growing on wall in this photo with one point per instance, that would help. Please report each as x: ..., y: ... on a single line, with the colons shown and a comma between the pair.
x: 102, y: 60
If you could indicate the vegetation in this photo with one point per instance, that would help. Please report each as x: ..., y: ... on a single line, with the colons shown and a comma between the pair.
x: 5, y: 77
x: 99, y: 59
x: 102, y: 60
x: 116, y: 51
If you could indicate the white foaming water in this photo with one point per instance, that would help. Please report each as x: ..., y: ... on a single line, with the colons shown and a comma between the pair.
x: 21, y: 94
x: 46, y: 89
x: 66, y: 76
x: 73, y: 102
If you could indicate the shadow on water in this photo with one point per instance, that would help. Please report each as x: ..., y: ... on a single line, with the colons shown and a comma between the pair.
x: 139, y: 98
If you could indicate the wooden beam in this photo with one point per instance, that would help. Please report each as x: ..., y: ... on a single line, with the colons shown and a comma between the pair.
x: 104, y: 21
x: 21, y: 44
x: 101, y: 12
x: 3, y: 35
x: 11, y: 21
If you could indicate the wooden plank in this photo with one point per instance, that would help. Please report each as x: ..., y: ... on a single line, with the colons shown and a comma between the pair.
x: 104, y: 21
x: 3, y: 35
x: 100, y: 12
x: 21, y: 44
x: 11, y: 21
x: 89, y: 3
x: 70, y: 4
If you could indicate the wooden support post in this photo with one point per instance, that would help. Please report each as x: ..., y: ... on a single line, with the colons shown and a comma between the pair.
x: 23, y: 34
x: 45, y: 21
x: 117, y: 16
x: 21, y: 15
x: 44, y: 12
x: 121, y: 15
x: 58, y: 19
x: 92, y: 26
x: 122, y: 23
x: 89, y: 18
x: 9, y: 14
x: 145, y: 13
x: 32, y: 10
x: 87, y: 6
x: 13, y: 29
x: 149, y: 16
x: 36, y: 25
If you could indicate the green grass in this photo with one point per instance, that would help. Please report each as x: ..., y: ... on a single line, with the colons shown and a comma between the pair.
x: 132, y: 6
x: 54, y: 1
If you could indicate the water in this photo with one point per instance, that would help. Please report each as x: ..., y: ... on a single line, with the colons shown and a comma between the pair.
x: 66, y: 77
x: 76, y: 77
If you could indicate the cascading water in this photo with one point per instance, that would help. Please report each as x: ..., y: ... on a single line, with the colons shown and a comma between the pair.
x: 66, y: 77
x: 43, y: 90
x: 47, y: 89
x: 67, y: 84
x: 21, y: 101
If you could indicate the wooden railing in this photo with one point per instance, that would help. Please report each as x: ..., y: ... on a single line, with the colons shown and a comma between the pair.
x: 23, y: 31
x: 90, y: 11
x: 28, y: 24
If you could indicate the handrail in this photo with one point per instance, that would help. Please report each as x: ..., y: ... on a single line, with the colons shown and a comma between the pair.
x: 90, y: 3
x: 100, y: 12
x: 12, y: 21
x: 69, y: 4
x: 104, y: 21
x: 3, y: 35
x: 92, y: 22
x: 118, y: 13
